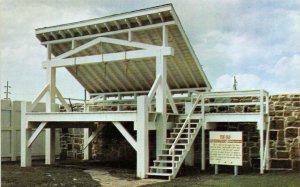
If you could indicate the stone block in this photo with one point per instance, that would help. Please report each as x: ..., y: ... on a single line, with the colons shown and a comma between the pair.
x: 277, y: 124
x: 295, y: 152
x: 293, y: 124
x: 273, y: 135
x: 296, y: 165
x: 287, y: 113
x: 281, y: 148
x: 281, y: 163
x: 283, y: 154
x: 274, y: 98
x: 272, y: 113
x: 291, y: 132
x: 296, y: 103
x: 278, y: 107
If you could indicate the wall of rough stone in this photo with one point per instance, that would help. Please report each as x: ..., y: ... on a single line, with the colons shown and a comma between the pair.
x: 284, y: 136
x: 285, y: 130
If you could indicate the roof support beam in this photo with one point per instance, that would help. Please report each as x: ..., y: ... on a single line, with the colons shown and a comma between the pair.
x: 106, y: 40
x: 183, y: 61
x: 146, y: 27
x: 107, y: 57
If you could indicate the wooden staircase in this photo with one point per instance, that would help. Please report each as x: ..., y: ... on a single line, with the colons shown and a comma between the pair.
x: 177, y: 145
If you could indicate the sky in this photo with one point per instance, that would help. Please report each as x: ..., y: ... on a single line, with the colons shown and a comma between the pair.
x: 256, y: 41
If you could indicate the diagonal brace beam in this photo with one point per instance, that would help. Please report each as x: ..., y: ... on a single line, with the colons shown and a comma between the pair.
x: 92, y: 137
x: 38, y: 98
x: 36, y: 133
x: 62, y: 100
x: 126, y: 134
x: 171, y: 100
x: 154, y: 88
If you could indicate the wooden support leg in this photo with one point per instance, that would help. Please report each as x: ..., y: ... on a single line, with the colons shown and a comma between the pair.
x: 86, y: 151
x: 261, y: 150
x: 25, y: 134
x: 14, y: 131
x: 142, y: 137
x: 161, y: 104
x: 203, y: 148
x: 50, y: 146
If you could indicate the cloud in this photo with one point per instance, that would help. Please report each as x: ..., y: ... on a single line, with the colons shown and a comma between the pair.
x: 254, y: 40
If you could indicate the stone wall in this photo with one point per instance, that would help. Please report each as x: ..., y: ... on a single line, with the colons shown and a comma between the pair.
x: 284, y: 136
x: 285, y: 131
x: 71, y: 143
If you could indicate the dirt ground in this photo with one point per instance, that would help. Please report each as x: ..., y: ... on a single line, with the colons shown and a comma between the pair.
x: 92, y: 173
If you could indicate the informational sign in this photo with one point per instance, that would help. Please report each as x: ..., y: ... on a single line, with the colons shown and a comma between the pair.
x: 226, y: 148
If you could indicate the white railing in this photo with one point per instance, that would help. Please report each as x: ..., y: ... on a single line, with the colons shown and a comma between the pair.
x: 186, y: 122
x: 262, y: 99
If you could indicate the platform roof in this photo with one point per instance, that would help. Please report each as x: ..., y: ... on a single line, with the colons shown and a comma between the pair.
x: 184, y: 69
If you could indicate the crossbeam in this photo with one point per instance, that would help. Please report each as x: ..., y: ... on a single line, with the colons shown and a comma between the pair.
x: 36, y: 133
x: 126, y: 134
x: 106, y: 40
x: 136, y: 54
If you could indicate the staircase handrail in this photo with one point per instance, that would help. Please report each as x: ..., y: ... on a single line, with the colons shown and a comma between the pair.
x: 184, y: 124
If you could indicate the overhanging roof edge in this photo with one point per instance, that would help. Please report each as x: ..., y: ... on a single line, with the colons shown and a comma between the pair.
x: 178, y: 23
x: 156, y: 9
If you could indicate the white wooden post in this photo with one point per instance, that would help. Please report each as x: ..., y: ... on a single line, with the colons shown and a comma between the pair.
x: 161, y: 107
x: 25, y: 134
x: 189, y: 159
x: 86, y: 151
x: 13, y: 131
x: 86, y: 135
x: 261, y: 132
x: 50, y: 104
x: 203, y: 134
x: 161, y: 94
x: 142, y: 137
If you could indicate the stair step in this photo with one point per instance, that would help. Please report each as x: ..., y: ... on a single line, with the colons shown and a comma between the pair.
x: 177, y: 128
x: 164, y: 155
x: 174, y: 149
x: 192, y: 123
x: 178, y: 138
x: 161, y: 167
x: 160, y: 174
x: 182, y: 133
x: 165, y: 161
x: 176, y: 144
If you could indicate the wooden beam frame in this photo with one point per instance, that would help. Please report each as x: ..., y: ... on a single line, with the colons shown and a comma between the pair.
x: 107, y: 57
x: 171, y: 100
x: 126, y: 134
x: 56, y: 41
x: 154, y: 88
x: 39, y: 97
x: 92, y: 137
x: 36, y: 133
x: 62, y: 100
x: 106, y: 40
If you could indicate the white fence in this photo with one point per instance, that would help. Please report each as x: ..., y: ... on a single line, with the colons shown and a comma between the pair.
x: 10, y: 132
